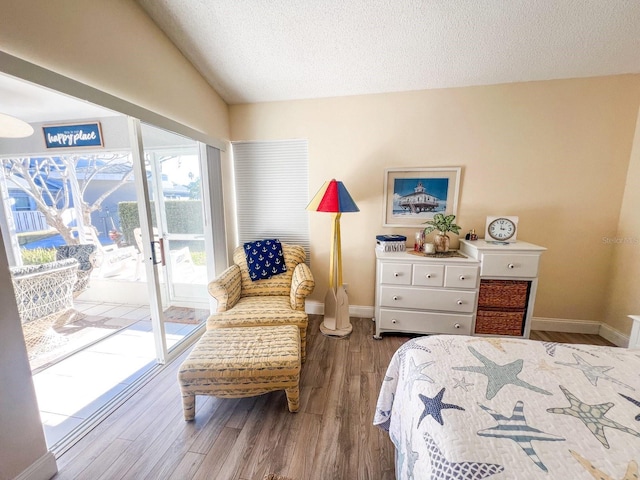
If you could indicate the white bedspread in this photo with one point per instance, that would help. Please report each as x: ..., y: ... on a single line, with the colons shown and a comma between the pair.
x: 460, y: 407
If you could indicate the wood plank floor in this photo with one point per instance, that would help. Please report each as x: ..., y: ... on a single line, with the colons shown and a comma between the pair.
x: 561, y: 337
x: 330, y: 438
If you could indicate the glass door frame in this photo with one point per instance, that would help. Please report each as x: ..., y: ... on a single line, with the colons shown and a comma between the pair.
x: 214, y: 233
x: 213, y: 206
x: 166, y: 237
x: 146, y: 227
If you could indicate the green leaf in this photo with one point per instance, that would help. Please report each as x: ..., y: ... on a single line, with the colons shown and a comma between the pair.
x: 429, y: 229
x: 442, y: 223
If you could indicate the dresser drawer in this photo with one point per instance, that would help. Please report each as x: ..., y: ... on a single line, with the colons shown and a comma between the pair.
x: 509, y: 265
x: 395, y: 273
x: 459, y: 276
x: 425, y: 322
x: 428, y: 275
x: 429, y: 299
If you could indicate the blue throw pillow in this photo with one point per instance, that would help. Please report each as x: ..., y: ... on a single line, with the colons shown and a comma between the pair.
x: 264, y: 258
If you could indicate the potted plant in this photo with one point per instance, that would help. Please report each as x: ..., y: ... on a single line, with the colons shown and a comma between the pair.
x: 443, y: 224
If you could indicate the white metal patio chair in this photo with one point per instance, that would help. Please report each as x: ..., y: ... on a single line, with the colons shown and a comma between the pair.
x: 180, y: 257
x: 110, y: 259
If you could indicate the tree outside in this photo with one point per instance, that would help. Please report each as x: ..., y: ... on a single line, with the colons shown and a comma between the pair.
x: 59, y: 184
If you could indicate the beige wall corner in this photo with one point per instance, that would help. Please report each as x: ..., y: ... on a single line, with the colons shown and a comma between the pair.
x: 623, y: 291
x: 116, y: 48
x: 555, y: 153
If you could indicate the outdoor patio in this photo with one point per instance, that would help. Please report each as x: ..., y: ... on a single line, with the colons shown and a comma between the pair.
x: 103, y: 308
x: 109, y: 347
x: 94, y: 352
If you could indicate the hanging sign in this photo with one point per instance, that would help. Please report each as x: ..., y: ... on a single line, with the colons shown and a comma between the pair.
x: 75, y: 135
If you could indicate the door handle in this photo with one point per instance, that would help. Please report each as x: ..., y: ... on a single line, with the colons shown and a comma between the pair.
x: 162, y: 256
x: 153, y: 252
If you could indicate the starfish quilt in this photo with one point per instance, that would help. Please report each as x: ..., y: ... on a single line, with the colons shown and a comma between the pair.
x: 511, y: 408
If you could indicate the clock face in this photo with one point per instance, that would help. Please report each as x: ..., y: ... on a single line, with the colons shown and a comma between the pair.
x: 501, y: 229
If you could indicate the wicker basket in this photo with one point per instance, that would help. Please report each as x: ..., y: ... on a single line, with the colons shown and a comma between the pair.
x: 503, y: 293
x: 493, y: 322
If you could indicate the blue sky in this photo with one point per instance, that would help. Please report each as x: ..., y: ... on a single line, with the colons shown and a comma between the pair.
x: 437, y: 187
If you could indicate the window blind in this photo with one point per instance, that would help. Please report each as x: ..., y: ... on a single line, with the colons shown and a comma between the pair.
x: 272, y: 189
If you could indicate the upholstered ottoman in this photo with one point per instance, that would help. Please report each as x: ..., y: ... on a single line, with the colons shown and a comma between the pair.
x: 242, y: 362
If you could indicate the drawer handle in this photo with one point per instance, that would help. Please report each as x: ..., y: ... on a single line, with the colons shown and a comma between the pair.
x: 459, y: 302
x: 395, y: 297
x: 394, y: 321
x: 461, y: 277
x: 396, y: 274
x: 428, y: 275
x: 511, y: 265
x: 457, y: 325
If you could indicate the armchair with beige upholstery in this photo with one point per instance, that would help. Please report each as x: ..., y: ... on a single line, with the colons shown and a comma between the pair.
x: 278, y: 300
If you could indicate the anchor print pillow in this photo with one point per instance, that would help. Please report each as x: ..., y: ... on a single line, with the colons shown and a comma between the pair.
x: 264, y: 258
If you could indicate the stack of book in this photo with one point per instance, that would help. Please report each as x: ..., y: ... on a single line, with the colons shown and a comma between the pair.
x: 391, y: 243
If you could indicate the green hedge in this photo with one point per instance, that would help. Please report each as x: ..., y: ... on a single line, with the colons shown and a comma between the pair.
x: 37, y: 256
x: 183, y: 216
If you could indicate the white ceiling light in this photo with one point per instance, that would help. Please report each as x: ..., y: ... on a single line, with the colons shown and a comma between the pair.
x: 12, y: 127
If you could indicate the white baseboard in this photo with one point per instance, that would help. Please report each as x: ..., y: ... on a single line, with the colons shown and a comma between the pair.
x: 314, y: 307
x: 614, y: 336
x: 565, y: 325
x: 581, y: 326
x: 317, y: 308
x: 360, y: 311
x: 42, y: 469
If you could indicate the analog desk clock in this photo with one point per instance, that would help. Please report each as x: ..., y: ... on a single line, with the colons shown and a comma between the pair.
x: 501, y: 229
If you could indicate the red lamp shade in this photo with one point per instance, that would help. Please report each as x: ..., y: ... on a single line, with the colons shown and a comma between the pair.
x: 332, y: 197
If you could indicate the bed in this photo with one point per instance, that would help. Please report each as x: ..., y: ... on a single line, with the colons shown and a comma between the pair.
x: 459, y: 407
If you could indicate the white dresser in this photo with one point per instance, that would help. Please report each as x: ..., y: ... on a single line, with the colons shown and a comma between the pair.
x: 420, y: 294
x: 508, y: 283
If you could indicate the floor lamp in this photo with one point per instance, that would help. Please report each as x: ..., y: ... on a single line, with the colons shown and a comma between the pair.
x: 333, y: 197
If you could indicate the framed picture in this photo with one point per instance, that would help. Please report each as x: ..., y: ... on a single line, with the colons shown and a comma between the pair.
x: 414, y: 195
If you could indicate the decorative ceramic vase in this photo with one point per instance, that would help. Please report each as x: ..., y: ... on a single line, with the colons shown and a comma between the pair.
x: 441, y: 241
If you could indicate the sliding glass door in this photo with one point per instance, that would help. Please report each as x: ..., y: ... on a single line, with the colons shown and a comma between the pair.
x: 171, y: 235
x: 137, y: 200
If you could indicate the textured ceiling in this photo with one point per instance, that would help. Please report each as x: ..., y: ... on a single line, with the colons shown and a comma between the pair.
x: 267, y: 50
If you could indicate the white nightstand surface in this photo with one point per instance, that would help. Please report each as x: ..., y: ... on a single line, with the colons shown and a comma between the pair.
x: 503, y: 247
